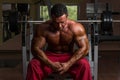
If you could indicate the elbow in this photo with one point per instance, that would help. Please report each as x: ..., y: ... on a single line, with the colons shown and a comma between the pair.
x: 86, y: 50
x: 34, y: 51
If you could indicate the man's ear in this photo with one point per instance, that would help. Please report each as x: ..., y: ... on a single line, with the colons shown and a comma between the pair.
x: 52, y: 16
x: 66, y: 15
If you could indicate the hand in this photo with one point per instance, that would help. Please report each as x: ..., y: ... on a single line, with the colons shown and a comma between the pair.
x: 64, y: 68
x: 56, y: 66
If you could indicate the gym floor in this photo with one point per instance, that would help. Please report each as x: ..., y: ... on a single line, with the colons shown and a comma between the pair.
x: 109, y: 65
x: 10, y: 65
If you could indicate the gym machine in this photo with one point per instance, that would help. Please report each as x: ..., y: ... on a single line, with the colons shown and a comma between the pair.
x: 102, y: 32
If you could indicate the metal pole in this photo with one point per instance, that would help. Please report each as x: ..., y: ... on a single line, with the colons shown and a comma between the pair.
x: 96, y: 51
x: 24, y: 49
x: 31, y: 36
x: 95, y: 41
x: 90, y: 49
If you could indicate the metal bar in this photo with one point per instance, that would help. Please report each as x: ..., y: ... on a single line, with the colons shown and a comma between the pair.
x: 89, y: 21
x: 77, y: 21
x: 98, y: 21
x: 44, y: 21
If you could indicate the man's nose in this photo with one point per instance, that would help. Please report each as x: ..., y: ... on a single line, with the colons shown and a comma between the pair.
x: 60, y: 25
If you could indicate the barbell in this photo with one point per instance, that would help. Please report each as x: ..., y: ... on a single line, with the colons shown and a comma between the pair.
x: 106, y: 18
x: 84, y: 21
x: 106, y: 21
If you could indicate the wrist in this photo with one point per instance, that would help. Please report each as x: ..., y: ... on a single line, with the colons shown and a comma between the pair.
x: 50, y: 63
x: 70, y: 63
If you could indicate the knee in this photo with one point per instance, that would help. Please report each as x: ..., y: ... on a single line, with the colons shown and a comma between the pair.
x: 84, y: 63
x: 34, y: 62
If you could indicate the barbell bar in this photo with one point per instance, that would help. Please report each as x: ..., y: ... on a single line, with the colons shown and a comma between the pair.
x: 87, y: 21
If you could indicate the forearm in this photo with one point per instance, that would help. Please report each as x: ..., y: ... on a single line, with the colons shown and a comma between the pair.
x: 78, y: 54
x: 42, y: 56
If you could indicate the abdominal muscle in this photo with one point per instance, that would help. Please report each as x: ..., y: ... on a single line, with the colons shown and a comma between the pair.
x: 59, y: 49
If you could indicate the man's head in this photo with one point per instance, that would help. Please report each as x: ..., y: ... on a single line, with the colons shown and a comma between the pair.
x: 59, y: 16
x: 58, y: 10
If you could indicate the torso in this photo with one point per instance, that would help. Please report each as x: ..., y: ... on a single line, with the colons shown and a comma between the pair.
x: 59, y: 41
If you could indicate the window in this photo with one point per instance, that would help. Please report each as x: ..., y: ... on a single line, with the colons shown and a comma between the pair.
x: 44, y: 13
x: 72, y: 12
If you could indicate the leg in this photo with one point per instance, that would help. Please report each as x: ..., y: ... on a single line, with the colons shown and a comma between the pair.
x: 81, y: 70
x: 36, y: 71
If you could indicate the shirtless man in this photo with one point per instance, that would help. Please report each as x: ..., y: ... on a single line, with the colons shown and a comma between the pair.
x: 60, y: 34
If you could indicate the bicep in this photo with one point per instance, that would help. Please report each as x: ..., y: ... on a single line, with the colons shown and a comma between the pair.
x: 81, y: 41
x: 81, y: 38
x: 38, y: 42
x: 38, y: 37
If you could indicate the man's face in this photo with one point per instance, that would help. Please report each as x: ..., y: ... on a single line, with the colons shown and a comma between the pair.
x: 59, y: 22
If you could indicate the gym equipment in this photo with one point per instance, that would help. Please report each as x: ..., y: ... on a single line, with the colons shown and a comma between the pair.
x: 22, y: 8
x: 106, y: 25
x: 103, y: 19
x: 13, y: 17
x: 106, y: 20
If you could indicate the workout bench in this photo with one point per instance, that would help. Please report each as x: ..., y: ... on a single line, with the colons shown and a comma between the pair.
x: 55, y: 76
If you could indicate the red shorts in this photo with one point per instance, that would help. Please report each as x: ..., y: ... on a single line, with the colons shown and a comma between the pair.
x: 37, y: 70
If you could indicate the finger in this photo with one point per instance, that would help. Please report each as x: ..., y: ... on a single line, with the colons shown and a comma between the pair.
x: 61, y: 72
x: 60, y: 69
x: 58, y: 65
x: 61, y: 64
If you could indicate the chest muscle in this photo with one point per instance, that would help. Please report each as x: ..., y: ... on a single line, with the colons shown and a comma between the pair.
x: 60, y: 38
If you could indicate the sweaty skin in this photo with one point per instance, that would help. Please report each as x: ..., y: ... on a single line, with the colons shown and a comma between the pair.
x: 60, y: 34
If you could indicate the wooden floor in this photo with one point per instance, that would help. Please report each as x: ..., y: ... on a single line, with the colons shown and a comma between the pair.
x: 109, y: 68
x: 11, y: 73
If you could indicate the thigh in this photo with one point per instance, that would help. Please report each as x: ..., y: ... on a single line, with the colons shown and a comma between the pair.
x: 79, y: 66
x: 39, y: 67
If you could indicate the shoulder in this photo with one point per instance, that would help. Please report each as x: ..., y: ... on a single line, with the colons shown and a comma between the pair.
x: 77, y: 28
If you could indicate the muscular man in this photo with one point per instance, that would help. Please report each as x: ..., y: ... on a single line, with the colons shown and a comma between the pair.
x: 59, y: 34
